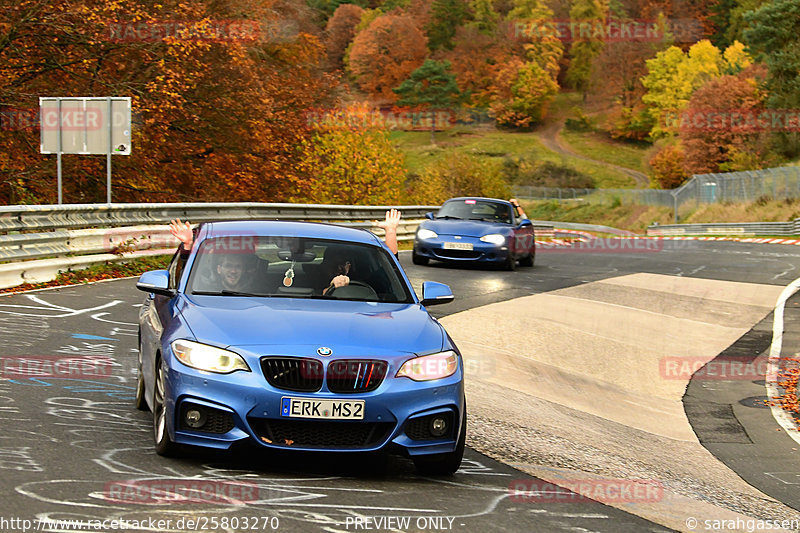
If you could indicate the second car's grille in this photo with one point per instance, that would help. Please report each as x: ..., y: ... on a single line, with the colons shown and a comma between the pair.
x: 321, y: 434
x: 355, y: 375
x: 293, y: 373
x: 457, y: 254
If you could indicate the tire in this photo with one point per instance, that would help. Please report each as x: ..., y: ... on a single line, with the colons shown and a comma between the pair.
x: 510, y: 263
x: 140, y: 402
x: 444, y: 464
x: 527, y: 261
x: 418, y: 259
x: 163, y: 443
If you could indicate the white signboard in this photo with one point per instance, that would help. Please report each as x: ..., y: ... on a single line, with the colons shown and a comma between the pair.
x: 85, y: 125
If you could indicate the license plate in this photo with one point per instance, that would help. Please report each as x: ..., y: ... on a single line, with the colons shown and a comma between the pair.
x: 322, y: 409
x: 458, y: 246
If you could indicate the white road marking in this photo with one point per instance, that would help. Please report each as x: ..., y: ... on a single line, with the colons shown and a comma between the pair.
x: 784, y: 419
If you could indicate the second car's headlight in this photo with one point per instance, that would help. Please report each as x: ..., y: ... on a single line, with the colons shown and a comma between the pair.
x: 428, y: 367
x: 424, y: 234
x: 208, y: 358
x: 494, y: 238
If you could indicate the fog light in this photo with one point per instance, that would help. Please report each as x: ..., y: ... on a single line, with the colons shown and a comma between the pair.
x: 438, y: 427
x: 195, y: 418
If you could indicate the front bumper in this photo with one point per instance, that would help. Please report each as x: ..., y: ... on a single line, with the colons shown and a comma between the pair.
x: 480, y: 252
x: 243, y: 406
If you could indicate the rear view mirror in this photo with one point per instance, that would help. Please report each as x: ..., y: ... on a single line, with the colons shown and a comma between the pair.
x: 434, y: 293
x: 300, y: 257
x: 156, y: 282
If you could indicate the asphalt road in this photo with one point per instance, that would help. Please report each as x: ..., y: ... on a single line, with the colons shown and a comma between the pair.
x: 77, y: 449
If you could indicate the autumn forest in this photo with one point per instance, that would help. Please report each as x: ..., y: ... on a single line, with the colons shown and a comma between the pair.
x: 304, y: 100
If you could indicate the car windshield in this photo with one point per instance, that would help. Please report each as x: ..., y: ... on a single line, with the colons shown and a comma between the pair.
x: 469, y: 209
x: 294, y: 267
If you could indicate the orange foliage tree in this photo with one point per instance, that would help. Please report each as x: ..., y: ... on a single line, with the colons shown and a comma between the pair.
x: 721, y: 122
x: 218, y: 102
x: 340, y: 31
x: 386, y: 53
x: 350, y: 160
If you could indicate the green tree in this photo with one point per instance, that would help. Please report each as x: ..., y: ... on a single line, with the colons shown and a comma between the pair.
x: 431, y: 86
x: 525, y: 86
x: 583, y: 51
x: 446, y: 17
x: 484, y: 17
x: 774, y: 38
x: 673, y: 76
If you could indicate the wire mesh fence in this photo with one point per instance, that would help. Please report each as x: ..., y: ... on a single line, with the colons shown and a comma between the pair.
x: 734, y: 187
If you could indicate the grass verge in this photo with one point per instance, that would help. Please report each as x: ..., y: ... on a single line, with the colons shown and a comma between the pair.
x: 485, y: 142
x: 597, y: 146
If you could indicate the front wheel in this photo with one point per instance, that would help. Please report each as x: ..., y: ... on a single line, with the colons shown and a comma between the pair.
x: 444, y: 464
x: 163, y: 443
x: 527, y: 261
x: 418, y: 259
x: 510, y: 263
x: 140, y: 402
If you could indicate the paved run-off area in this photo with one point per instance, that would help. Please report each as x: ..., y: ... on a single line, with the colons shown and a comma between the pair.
x: 599, y: 369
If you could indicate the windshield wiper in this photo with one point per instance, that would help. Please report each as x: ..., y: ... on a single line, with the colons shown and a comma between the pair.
x: 449, y: 216
x: 227, y: 292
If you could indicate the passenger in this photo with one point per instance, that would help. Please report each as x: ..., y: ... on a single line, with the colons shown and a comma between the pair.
x: 515, y: 203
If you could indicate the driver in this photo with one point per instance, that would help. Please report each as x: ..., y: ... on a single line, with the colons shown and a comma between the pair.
x: 230, y: 271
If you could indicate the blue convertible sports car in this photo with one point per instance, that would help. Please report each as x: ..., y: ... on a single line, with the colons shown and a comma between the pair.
x: 246, y: 338
x: 484, y: 230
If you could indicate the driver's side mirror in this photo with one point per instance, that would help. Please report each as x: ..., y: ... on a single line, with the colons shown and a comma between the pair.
x: 434, y: 293
x: 155, y: 281
x: 429, y: 215
x: 525, y: 223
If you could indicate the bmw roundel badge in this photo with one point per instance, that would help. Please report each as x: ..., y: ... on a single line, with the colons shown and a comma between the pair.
x: 324, y: 351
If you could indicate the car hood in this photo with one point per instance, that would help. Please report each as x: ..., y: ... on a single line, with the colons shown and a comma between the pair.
x: 467, y: 228
x: 297, y: 326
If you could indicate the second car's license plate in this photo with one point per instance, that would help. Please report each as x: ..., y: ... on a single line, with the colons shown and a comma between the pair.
x: 323, y: 409
x: 458, y: 246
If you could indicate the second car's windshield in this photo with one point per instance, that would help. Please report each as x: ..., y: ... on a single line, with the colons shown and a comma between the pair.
x: 293, y: 267
x: 469, y: 209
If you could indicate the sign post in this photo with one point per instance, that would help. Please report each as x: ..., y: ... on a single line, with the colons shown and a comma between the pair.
x: 85, y: 125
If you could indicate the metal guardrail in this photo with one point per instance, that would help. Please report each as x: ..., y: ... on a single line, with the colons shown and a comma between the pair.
x: 53, y: 231
x: 78, y: 235
x: 74, y: 216
x: 723, y: 228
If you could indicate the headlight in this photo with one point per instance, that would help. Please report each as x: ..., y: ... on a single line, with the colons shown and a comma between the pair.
x: 424, y: 234
x: 428, y: 367
x: 494, y: 238
x: 208, y: 358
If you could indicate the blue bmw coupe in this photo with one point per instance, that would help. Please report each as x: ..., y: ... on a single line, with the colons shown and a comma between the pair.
x: 248, y: 338
x: 475, y: 230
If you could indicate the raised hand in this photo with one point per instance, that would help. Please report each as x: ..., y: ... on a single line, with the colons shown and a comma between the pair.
x: 183, y: 232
